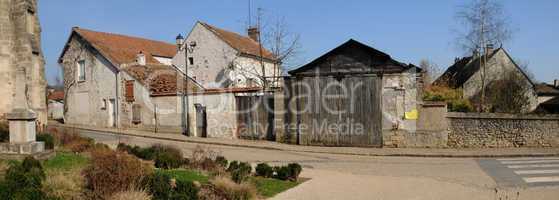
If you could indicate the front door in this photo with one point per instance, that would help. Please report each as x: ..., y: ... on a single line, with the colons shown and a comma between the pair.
x: 201, y: 121
x: 111, y: 108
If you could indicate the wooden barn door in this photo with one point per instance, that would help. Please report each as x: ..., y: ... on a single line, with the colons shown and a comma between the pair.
x: 255, y: 117
x: 339, y: 111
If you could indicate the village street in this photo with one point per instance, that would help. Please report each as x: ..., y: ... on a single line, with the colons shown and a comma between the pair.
x: 366, y: 177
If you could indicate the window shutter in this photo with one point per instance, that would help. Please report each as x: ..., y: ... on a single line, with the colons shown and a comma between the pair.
x: 129, y: 93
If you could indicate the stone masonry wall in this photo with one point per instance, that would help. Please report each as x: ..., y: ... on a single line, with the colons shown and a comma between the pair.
x: 20, y: 47
x: 474, y: 130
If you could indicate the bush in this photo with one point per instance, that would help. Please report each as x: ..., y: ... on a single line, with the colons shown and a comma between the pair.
x: 24, y: 181
x: 111, y: 172
x: 282, y: 173
x: 460, y: 105
x: 47, y: 139
x: 221, y: 161
x: 453, y: 98
x: 131, y: 195
x: 167, y: 157
x: 233, y: 191
x: 63, y: 184
x: 264, y: 170
x: 294, y: 171
x: 241, y: 173
x: 162, y: 187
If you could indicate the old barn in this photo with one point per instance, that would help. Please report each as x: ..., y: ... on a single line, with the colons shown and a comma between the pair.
x: 353, y: 95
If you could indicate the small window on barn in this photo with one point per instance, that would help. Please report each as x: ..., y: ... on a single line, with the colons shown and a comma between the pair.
x: 129, y: 91
x: 81, y: 70
x: 136, y: 113
x: 191, y: 60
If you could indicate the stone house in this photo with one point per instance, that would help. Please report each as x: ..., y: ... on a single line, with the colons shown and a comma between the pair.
x: 20, y: 48
x: 113, y: 80
x: 370, y: 95
x: 55, y: 105
x: 466, y: 74
x: 224, y: 59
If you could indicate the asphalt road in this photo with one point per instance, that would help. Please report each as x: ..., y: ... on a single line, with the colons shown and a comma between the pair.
x: 366, y: 177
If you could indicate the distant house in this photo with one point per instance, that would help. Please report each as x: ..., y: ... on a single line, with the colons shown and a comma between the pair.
x: 466, y: 74
x: 224, y: 59
x: 548, y: 97
x: 370, y: 98
x: 55, y: 105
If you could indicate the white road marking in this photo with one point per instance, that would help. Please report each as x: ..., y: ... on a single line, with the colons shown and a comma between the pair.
x: 528, y: 162
x: 532, y: 166
x: 531, y: 158
x: 549, y: 171
x: 546, y: 179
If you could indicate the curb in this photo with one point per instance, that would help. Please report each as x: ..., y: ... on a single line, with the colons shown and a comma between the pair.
x: 325, y: 152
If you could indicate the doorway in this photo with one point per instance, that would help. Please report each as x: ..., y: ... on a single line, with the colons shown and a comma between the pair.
x: 111, y: 108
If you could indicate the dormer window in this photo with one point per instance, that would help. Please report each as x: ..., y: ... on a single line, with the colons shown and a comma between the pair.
x: 81, y: 70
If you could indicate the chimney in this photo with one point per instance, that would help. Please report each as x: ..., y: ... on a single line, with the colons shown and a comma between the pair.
x: 141, y: 58
x: 254, y: 34
x: 489, y: 49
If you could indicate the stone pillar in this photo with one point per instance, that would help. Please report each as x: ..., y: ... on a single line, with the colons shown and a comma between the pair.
x: 22, y: 121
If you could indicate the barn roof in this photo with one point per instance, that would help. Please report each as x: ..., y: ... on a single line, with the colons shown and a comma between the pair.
x: 545, y: 89
x: 162, y: 80
x: 389, y: 64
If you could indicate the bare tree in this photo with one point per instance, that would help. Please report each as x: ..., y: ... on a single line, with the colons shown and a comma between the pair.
x: 484, y: 23
x: 432, y: 70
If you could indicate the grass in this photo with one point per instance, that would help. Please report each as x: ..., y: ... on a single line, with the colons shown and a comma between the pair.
x: 66, y: 161
x: 185, y: 175
x: 268, y: 187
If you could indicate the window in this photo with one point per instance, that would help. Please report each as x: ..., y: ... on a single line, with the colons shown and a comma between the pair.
x: 129, y: 91
x: 81, y: 70
x: 190, y: 60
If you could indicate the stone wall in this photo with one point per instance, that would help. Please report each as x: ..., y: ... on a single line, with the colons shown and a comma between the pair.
x: 20, y: 47
x: 474, y: 130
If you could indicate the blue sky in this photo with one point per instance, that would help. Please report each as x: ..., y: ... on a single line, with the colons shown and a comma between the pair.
x: 407, y: 30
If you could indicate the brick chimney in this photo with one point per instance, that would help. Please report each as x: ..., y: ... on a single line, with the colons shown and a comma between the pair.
x: 254, y: 33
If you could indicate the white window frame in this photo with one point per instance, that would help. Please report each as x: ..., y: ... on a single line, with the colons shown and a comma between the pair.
x: 81, y: 69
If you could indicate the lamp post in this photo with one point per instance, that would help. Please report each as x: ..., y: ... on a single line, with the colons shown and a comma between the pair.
x: 181, y: 45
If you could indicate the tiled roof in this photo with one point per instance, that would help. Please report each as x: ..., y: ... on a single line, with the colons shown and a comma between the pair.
x: 121, y: 49
x: 241, y: 43
x: 162, y: 80
x: 547, y: 89
x: 56, y: 95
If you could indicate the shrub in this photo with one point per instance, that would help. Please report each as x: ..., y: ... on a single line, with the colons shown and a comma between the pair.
x: 168, y: 157
x: 234, y: 165
x: 63, y: 184
x: 111, y: 172
x: 162, y: 187
x: 232, y: 190
x: 294, y: 171
x: 131, y: 195
x: 221, y: 161
x: 24, y: 181
x: 241, y: 173
x: 282, y: 173
x: 453, y: 98
x: 47, y: 139
x: 460, y: 105
x: 264, y: 170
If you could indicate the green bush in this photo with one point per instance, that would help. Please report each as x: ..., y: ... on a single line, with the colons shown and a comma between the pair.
x: 234, y: 165
x: 241, y: 173
x: 47, y: 139
x: 282, y: 173
x: 460, y: 105
x: 167, y: 157
x: 184, y: 190
x: 294, y: 171
x: 221, y: 161
x: 264, y: 170
x: 24, y: 181
x: 160, y: 187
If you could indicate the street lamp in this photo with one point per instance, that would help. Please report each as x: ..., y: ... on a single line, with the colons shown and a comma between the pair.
x: 181, y: 45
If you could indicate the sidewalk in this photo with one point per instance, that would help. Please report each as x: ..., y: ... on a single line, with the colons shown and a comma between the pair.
x: 407, y: 152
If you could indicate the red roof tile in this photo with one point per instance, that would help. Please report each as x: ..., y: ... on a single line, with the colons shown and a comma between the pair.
x: 161, y: 80
x: 122, y: 49
x: 56, y: 96
x: 241, y: 43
